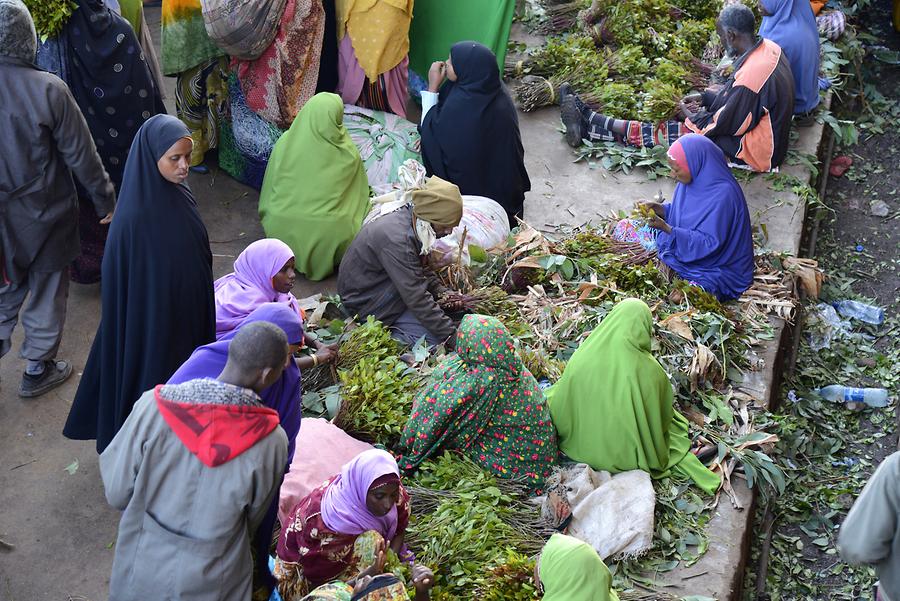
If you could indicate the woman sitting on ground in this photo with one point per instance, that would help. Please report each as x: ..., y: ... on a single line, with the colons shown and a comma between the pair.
x: 613, y: 409
x: 704, y: 233
x: 570, y: 570
x: 315, y: 193
x: 263, y: 273
x: 470, y: 130
x: 339, y: 529
x: 483, y: 402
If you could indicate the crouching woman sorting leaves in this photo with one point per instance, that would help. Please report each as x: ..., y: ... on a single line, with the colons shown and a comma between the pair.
x: 334, y: 543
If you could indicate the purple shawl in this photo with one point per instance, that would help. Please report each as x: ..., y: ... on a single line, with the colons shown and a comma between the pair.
x: 284, y: 395
x: 344, y: 503
x: 711, y: 241
x: 239, y: 293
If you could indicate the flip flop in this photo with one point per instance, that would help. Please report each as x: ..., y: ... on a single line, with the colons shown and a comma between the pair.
x: 840, y: 165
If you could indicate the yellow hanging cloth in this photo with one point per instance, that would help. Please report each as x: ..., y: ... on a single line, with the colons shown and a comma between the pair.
x: 379, y: 31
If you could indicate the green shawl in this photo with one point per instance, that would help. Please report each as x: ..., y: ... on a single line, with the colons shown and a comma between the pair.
x: 315, y: 193
x: 571, y: 570
x: 133, y: 12
x: 185, y: 43
x: 483, y: 402
x: 438, y: 24
x: 612, y: 408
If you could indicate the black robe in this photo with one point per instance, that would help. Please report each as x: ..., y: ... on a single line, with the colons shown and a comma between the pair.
x: 157, y: 291
x: 471, y: 138
x: 114, y: 88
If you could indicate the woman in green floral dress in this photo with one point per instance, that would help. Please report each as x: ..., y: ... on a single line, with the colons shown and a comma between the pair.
x: 483, y: 402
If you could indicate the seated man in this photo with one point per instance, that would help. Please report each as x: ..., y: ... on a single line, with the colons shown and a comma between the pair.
x: 383, y: 274
x: 749, y: 117
x: 195, y: 467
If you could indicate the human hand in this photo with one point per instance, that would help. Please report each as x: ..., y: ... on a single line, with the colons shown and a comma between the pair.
x: 422, y: 577
x: 436, y: 75
x: 685, y: 111
x: 660, y: 224
x: 106, y: 220
x: 656, y: 207
x: 362, y: 581
x: 455, y: 301
x: 325, y: 354
x: 695, y: 97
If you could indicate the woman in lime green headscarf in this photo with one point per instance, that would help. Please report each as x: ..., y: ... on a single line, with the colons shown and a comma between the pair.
x: 612, y: 408
x: 315, y: 193
x: 570, y: 570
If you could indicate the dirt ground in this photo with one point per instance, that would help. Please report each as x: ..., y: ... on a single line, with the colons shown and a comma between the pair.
x: 861, y: 250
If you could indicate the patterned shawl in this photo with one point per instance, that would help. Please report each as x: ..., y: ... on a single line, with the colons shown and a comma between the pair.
x: 278, y: 83
x: 485, y: 403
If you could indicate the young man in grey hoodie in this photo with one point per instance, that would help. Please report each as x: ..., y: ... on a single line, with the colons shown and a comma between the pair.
x: 44, y: 139
x: 871, y: 532
x: 195, y: 467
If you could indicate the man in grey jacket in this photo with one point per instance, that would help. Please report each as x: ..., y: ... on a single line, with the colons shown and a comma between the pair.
x: 44, y: 140
x: 195, y: 467
x: 871, y: 532
x: 383, y: 274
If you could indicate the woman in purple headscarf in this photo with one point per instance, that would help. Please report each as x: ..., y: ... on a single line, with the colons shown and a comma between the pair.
x: 339, y: 529
x: 705, y: 234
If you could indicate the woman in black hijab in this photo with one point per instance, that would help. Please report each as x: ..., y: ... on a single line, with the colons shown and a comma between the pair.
x: 471, y: 136
x: 157, y: 294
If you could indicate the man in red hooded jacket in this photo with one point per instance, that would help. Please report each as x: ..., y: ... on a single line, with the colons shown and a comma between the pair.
x: 194, y: 468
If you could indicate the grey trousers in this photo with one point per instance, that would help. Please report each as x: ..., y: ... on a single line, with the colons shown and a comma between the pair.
x: 408, y: 330
x: 44, y: 315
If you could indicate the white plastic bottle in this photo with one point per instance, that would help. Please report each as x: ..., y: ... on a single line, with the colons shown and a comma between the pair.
x: 873, y: 397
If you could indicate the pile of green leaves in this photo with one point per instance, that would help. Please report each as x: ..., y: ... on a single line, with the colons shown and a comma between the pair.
x: 376, y: 388
x: 480, y: 530
x: 50, y: 16
x: 609, y: 62
x: 680, y: 536
x: 371, y: 339
x: 377, y: 398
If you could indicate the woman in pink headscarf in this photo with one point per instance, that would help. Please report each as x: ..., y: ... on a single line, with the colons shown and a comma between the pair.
x: 263, y: 273
x: 339, y: 529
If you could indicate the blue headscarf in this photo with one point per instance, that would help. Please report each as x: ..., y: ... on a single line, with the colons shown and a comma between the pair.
x: 792, y: 25
x: 711, y: 242
x: 284, y: 395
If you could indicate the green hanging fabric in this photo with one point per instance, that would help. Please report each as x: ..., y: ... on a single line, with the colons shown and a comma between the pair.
x: 133, y: 12
x: 613, y: 409
x: 315, y: 193
x: 438, y: 24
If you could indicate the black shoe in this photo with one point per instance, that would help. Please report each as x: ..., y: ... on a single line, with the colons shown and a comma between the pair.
x: 54, y: 374
x: 565, y: 90
x: 571, y: 118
